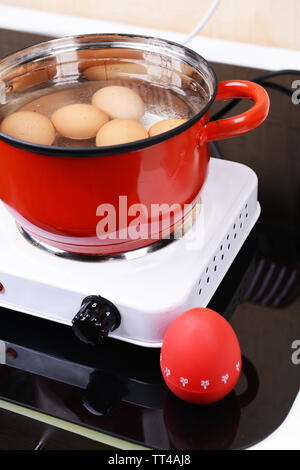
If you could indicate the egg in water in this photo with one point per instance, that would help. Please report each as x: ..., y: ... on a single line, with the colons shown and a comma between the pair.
x: 79, y: 121
x: 120, y: 131
x: 164, y: 126
x: 29, y: 126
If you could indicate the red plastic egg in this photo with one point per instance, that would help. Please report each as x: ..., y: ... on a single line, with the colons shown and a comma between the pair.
x: 201, y: 357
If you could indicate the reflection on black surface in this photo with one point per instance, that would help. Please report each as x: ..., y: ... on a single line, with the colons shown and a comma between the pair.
x: 209, y: 427
x: 185, y: 426
x: 52, y: 372
x: 276, y: 283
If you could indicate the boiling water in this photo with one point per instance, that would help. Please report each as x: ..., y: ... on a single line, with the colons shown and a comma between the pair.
x: 161, y: 102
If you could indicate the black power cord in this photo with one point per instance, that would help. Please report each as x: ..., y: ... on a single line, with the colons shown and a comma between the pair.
x: 261, y: 80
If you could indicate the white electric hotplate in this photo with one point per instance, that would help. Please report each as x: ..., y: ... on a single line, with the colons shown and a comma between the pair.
x: 149, y: 291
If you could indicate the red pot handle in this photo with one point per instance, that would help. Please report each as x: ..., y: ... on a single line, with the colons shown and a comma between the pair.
x: 237, y: 125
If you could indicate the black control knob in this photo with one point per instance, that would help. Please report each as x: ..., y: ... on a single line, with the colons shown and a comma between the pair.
x: 96, y: 318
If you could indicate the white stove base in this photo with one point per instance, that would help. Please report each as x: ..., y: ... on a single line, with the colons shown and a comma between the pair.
x: 150, y: 292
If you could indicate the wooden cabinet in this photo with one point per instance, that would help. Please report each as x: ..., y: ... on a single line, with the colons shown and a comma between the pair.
x: 267, y: 22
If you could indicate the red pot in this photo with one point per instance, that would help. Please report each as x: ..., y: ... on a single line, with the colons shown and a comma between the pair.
x: 54, y: 192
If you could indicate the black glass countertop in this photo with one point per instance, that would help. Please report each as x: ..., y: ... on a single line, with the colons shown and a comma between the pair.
x: 117, y: 388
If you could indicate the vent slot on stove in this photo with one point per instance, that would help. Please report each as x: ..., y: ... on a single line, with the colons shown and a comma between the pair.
x: 211, y: 273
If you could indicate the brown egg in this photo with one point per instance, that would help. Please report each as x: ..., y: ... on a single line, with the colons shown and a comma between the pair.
x: 120, y: 131
x: 164, y: 126
x: 111, y: 53
x: 119, y: 102
x: 29, y: 126
x: 79, y: 121
x: 114, y: 71
x: 96, y: 72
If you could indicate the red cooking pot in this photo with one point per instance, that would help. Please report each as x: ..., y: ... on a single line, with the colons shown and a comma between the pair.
x: 61, y: 196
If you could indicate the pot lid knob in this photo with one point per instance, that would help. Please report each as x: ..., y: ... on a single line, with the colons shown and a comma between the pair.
x: 96, y: 318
